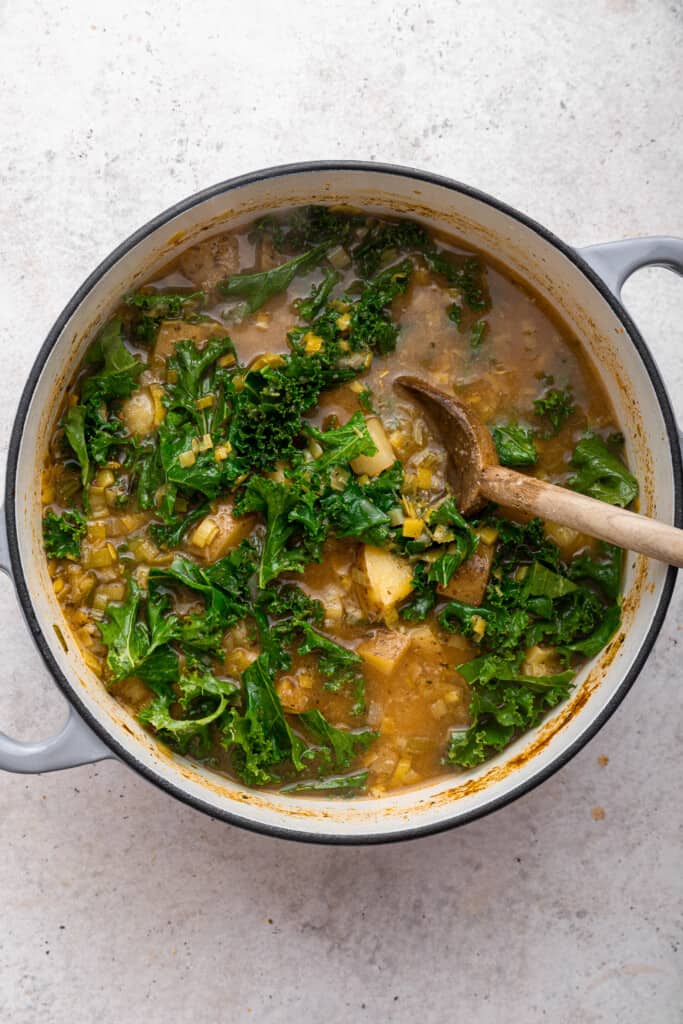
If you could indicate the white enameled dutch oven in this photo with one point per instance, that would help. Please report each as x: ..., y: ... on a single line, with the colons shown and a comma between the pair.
x: 583, y: 284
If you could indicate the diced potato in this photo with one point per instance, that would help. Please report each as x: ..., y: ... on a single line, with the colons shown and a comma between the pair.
x: 139, y: 412
x: 389, y: 578
x: 173, y: 331
x: 373, y: 465
x: 425, y: 643
x: 208, y: 262
x: 541, y: 661
x: 104, y: 478
x: 468, y: 583
x: 224, y: 530
x: 384, y: 650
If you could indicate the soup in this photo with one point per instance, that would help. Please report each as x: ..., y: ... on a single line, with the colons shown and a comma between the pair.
x: 252, y: 531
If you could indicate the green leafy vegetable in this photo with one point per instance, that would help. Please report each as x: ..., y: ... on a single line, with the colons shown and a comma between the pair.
x: 344, y: 785
x: 339, y: 746
x: 556, y: 405
x: 341, y: 666
x: 515, y: 445
x: 257, y: 288
x: 371, y: 325
x: 593, y: 644
x: 459, y: 539
x: 312, y: 306
x: 284, y: 507
x: 423, y: 597
x: 503, y: 703
x: 383, y: 239
x: 119, y: 371
x: 150, y: 308
x: 605, y: 570
x: 601, y: 474
x: 74, y: 429
x: 466, y: 273
x: 361, y: 510
x: 204, y: 699
x: 259, y: 737
x: 62, y: 534
x: 137, y: 648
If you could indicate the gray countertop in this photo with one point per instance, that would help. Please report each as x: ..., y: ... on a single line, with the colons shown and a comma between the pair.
x: 120, y: 904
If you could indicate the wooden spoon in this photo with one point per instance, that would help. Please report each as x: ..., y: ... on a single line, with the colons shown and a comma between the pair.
x: 481, y: 478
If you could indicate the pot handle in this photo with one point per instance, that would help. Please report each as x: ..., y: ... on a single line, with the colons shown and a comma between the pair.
x: 614, y: 262
x: 73, y: 745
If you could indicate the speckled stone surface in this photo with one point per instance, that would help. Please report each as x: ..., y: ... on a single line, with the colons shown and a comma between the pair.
x: 121, y: 905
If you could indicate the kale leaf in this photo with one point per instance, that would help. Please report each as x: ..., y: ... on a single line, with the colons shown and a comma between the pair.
x: 601, y: 474
x: 119, y: 369
x: 259, y: 736
x: 556, y: 405
x: 137, y: 648
x: 361, y: 510
x: 605, y: 570
x: 341, y: 785
x: 503, y: 703
x: 312, y: 306
x: 339, y: 746
x: 285, y: 508
x: 203, y: 697
x: 62, y: 534
x: 371, y: 326
x: 150, y: 308
x: 515, y: 445
x: 255, y: 289
x: 74, y: 429
x: 338, y: 664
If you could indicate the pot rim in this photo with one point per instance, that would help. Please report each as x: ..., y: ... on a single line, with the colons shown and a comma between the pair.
x: 70, y: 693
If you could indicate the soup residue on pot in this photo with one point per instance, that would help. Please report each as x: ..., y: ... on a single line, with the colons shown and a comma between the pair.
x: 252, y: 533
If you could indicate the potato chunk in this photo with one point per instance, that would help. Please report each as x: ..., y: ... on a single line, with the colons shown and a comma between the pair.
x: 541, y: 661
x: 389, y: 577
x: 373, y: 465
x: 221, y: 530
x: 173, y: 331
x: 468, y: 583
x: 384, y: 650
x: 138, y: 412
x: 210, y: 261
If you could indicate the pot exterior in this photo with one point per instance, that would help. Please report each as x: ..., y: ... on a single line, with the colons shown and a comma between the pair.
x: 620, y: 358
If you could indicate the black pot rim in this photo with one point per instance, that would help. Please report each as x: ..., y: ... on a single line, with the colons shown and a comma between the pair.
x: 20, y: 581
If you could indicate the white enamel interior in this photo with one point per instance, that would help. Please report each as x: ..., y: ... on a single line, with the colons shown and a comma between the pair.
x: 625, y: 378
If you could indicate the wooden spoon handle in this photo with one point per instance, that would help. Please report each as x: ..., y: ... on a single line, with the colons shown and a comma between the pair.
x: 596, y: 518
